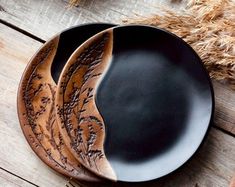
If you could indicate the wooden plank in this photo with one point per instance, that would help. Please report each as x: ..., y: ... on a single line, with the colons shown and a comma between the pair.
x: 224, y: 107
x: 45, y: 18
x: 214, y: 164
x: 16, y: 155
x: 9, y: 180
x: 213, y: 167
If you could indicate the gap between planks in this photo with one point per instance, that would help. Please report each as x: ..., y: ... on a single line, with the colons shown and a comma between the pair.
x: 21, y: 178
x: 217, y: 128
x: 22, y: 31
x: 215, y: 84
x: 37, y: 14
x: 223, y: 130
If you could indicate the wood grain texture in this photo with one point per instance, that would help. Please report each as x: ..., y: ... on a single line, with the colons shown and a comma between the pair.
x: 9, y: 180
x: 45, y: 18
x: 212, y: 166
x: 16, y: 155
x: 224, y: 107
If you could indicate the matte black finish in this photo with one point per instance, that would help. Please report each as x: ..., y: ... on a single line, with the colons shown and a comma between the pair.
x: 70, y: 40
x: 156, y: 101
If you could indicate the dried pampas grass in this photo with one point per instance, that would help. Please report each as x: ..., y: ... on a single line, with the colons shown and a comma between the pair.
x: 209, y: 27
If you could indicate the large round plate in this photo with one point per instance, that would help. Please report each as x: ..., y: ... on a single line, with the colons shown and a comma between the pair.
x: 134, y: 103
x: 36, y: 100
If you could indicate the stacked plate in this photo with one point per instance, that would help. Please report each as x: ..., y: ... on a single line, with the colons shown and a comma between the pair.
x: 120, y: 103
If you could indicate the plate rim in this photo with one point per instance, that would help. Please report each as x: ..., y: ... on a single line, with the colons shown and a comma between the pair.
x: 209, y: 85
x: 19, y: 100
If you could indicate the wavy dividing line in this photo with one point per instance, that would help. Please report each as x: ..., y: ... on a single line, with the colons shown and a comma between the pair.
x: 36, y: 74
x: 81, y: 124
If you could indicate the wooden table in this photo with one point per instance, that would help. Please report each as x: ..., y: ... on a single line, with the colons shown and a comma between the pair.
x: 24, y: 26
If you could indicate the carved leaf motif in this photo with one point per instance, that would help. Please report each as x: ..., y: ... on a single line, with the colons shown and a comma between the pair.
x: 80, y: 121
x: 39, y: 118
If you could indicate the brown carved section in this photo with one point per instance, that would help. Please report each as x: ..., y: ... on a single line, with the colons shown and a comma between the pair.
x: 36, y: 100
x: 80, y: 122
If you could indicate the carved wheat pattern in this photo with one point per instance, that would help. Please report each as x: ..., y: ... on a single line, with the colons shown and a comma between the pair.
x: 34, y: 89
x: 75, y: 104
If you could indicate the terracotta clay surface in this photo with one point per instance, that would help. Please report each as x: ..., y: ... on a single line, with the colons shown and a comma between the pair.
x: 80, y: 123
x: 36, y: 99
x: 37, y: 115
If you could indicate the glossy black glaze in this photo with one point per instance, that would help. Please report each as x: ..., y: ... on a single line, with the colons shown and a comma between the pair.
x: 155, y: 98
x: 70, y: 40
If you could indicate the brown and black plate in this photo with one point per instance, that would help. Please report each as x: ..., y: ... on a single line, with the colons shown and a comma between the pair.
x: 134, y: 103
x: 36, y: 98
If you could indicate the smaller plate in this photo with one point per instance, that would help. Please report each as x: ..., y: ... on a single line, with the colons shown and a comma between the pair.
x: 134, y: 103
x: 36, y: 97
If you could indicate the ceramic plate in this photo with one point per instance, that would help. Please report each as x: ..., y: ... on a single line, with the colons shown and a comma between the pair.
x: 134, y: 103
x: 36, y: 100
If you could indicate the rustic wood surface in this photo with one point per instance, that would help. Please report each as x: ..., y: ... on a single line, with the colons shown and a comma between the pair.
x: 9, y: 180
x: 45, y: 18
x: 224, y: 107
x: 32, y: 22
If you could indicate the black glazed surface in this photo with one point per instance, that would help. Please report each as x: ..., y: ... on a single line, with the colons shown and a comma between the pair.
x: 70, y: 40
x: 156, y: 102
